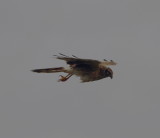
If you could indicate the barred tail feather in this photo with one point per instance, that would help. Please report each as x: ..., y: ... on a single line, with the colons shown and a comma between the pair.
x: 49, y: 70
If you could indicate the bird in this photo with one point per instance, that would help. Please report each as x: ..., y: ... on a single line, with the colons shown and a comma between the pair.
x: 87, y: 69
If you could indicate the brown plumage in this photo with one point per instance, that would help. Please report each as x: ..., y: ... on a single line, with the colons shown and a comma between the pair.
x: 86, y: 69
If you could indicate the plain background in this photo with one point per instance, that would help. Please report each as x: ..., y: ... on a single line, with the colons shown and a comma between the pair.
x: 37, y: 106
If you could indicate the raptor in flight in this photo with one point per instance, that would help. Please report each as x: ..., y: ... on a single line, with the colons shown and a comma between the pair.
x: 86, y: 69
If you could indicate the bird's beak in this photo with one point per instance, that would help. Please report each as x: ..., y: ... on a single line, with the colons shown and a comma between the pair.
x: 111, y: 75
x: 110, y: 72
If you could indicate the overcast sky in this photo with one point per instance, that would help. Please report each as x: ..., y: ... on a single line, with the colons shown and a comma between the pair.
x: 37, y: 106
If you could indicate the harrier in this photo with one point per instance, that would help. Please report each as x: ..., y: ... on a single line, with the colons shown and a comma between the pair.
x: 86, y: 69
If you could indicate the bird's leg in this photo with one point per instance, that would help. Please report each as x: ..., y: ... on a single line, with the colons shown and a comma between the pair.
x: 65, y: 78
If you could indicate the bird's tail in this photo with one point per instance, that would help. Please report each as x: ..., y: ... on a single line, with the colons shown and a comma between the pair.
x: 49, y: 70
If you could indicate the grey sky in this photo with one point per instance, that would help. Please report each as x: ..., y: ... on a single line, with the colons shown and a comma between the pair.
x: 37, y: 106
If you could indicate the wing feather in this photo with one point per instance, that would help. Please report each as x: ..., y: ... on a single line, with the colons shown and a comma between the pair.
x: 80, y: 64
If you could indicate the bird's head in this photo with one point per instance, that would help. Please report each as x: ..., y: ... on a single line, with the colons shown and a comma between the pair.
x: 108, y: 72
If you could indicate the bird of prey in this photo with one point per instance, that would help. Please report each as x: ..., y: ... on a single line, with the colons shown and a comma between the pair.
x: 86, y: 69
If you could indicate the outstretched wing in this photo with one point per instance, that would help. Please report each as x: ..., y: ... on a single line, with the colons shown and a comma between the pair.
x: 86, y: 65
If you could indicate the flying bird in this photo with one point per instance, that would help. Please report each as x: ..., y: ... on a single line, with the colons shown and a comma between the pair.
x: 86, y: 69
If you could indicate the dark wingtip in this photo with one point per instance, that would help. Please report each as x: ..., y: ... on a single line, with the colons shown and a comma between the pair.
x: 74, y: 56
x: 60, y: 55
x: 105, y: 59
x: 63, y: 55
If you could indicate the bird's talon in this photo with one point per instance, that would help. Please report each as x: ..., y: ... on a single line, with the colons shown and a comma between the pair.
x: 62, y: 78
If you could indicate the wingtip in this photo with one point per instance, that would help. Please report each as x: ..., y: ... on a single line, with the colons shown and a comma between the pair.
x: 106, y: 62
x: 113, y: 63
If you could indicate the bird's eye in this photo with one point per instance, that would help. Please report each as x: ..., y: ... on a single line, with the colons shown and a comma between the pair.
x: 106, y: 72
